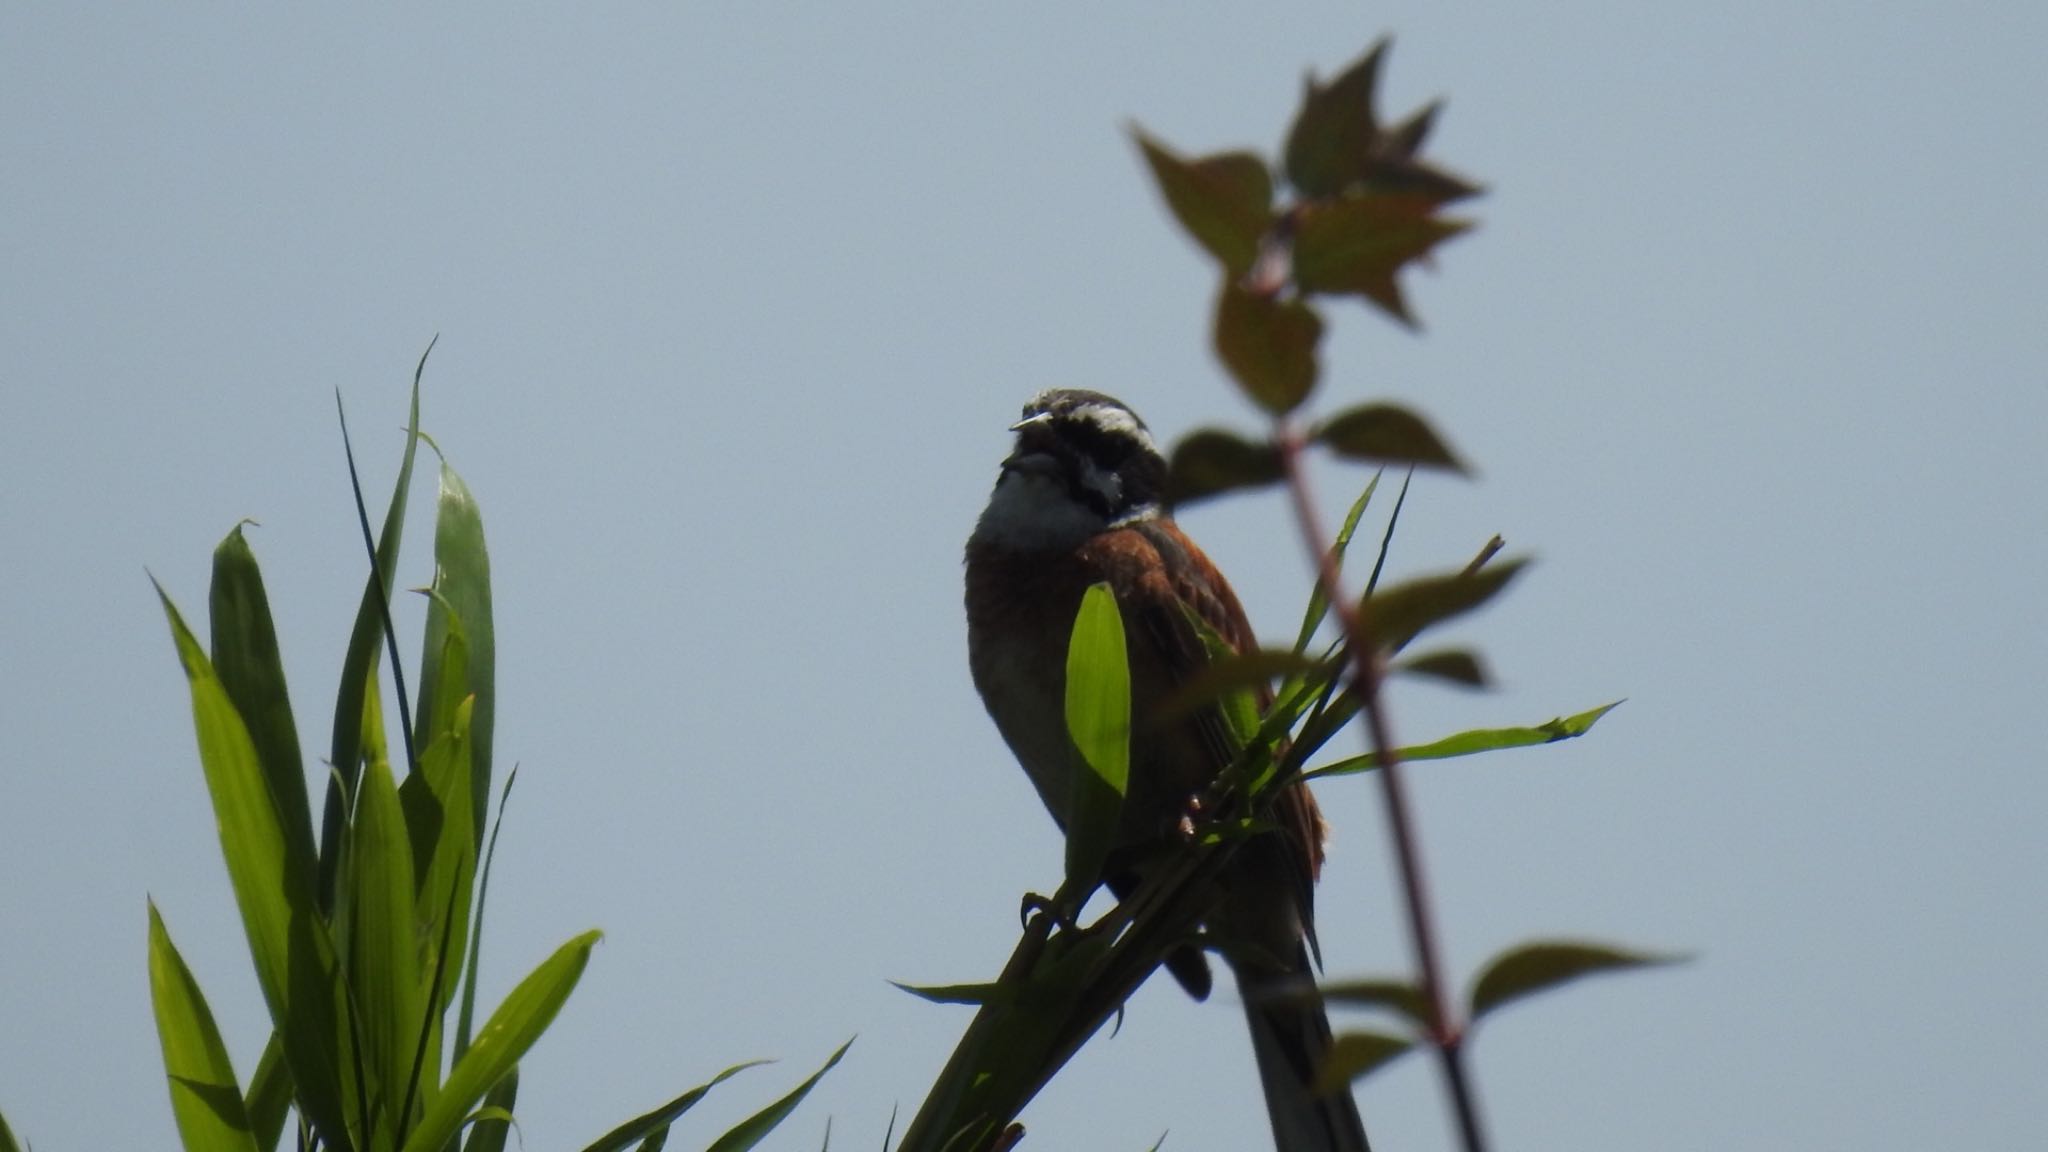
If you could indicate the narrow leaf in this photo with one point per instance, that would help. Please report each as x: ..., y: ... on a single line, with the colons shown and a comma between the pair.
x: 1536, y: 967
x: 462, y: 592
x: 1396, y: 615
x: 504, y: 1040
x: 1098, y: 713
x: 1269, y: 345
x: 7, y: 1141
x: 1452, y: 666
x: 1319, y: 600
x: 204, y: 1096
x: 488, y: 1134
x: 643, y: 1126
x: 294, y: 958
x: 270, y: 1095
x: 1211, y: 461
x: 345, y: 756
x: 1400, y: 996
x: 754, y: 1129
x: 245, y: 656
x: 952, y: 993
x: 1231, y: 678
x: 1387, y: 434
x: 476, y: 930
x: 1476, y: 741
x: 1355, y: 1055
x: 1225, y: 202
x: 384, y: 969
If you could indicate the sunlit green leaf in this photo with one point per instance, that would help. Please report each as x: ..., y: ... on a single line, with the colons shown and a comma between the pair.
x: 1319, y: 600
x: 269, y: 1096
x: 435, y: 801
x: 1211, y: 461
x: 754, y: 1129
x: 1355, y: 1055
x: 345, y: 758
x: 294, y: 958
x: 204, y: 1096
x: 245, y: 656
x: 1387, y: 434
x: 1535, y: 967
x: 503, y: 1041
x: 1269, y: 344
x: 476, y: 930
x: 1098, y: 711
x: 1476, y: 741
x: 384, y: 970
x: 1225, y: 202
x: 462, y: 592
x: 643, y: 1126
x: 495, y: 1117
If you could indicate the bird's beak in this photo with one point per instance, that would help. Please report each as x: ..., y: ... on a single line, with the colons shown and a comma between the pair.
x: 1030, y: 421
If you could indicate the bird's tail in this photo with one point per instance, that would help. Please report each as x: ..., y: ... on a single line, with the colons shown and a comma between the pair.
x: 1291, y: 1039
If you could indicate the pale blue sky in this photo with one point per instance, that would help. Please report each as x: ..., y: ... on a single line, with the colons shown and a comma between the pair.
x: 735, y: 302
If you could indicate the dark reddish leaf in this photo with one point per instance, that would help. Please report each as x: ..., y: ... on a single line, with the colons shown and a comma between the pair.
x: 1269, y: 345
x: 1330, y: 146
x: 1397, y: 615
x: 1355, y: 246
x: 1387, y: 434
x: 1211, y: 461
x: 1545, y: 964
x: 1225, y: 201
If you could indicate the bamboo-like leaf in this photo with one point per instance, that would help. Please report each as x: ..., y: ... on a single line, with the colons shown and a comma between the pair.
x: 1399, y: 996
x: 270, y: 1095
x: 1229, y: 681
x: 1225, y: 202
x: 1544, y: 964
x: 1396, y: 615
x: 1355, y: 1055
x: 294, y: 958
x: 245, y: 656
x: 644, y: 1126
x: 345, y: 758
x: 1388, y: 434
x: 503, y: 1041
x: 476, y: 929
x: 1476, y: 741
x: 952, y: 993
x: 7, y: 1141
x: 1098, y: 713
x: 462, y: 593
x: 754, y: 1129
x: 1212, y: 461
x: 435, y: 801
x: 384, y: 969
x: 204, y: 1096
x: 488, y: 1134
x: 1319, y: 600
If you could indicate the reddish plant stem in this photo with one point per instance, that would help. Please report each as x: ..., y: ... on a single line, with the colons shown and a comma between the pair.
x: 1446, y: 1030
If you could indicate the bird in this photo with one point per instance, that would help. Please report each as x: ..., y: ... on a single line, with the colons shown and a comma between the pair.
x: 1081, y: 499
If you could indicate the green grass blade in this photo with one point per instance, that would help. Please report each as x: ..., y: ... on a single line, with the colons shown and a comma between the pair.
x: 754, y: 1129
x: 1098, y: 709
x: 270, y: 1096
x: 467, y: 1013
x: 436, y: 804
x: 488, y: 1134
x: 1319, y: 601
x: 1476, y: 741
x: 204, y: 1096
x: 384, y: 963
x: 462, y: 590
x: 294, y: 957
x: 505, y: 1038
x: 644, y: 1127
x: 246, y: 658
x: 7, y: 1141
x: 345, y: 754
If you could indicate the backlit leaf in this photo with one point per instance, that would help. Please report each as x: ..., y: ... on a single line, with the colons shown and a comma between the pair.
x: 204, y: 1096
x: 1225, y: 201
x: 1476, y: 741
x: 1098, y: 712
x: 1535, y: 967
x: 1269, y: 344
x: 1396, y: 615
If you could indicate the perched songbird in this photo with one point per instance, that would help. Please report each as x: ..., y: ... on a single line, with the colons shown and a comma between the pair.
x: 1079, y: 502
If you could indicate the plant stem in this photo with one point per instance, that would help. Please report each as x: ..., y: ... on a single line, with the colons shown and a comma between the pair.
x: 1446, y: 1031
